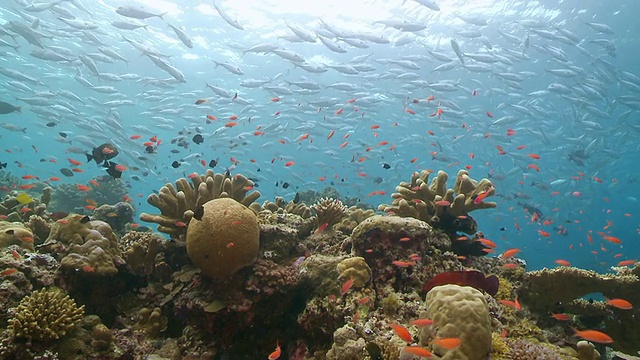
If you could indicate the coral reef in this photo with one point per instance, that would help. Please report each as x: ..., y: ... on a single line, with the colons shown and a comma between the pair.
x: 523, y: 349
x: 178, y: 204
x: 459, y: 312
x: 139, y: 250
x: 280, y: 206
x: 312, y: 197
x: 14, y: 210
x: 85, y: 245
x: 356, y: 216
x: 225, y: 239
x: 443, y: 208
x: 14, y: 233
x: 356, y: 269
x: 328, y: 212
x: 117, y: 216
x: 45, y: 315
x: 151, y: 322
x: 587, y: 351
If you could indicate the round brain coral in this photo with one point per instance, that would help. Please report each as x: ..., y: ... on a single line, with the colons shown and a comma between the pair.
x: 45, y: 315
x: 225, y: 239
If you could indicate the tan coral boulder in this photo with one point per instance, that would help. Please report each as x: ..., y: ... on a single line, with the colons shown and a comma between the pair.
x: 226, y: 239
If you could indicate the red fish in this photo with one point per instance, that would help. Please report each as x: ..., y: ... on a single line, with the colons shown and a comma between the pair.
x: 416, y: 350
x: 447, y: 343
x: 275, y: 355
x: 620, y: 304
x: 346, y: 286
x: 402, y: 332
x: 594, y: 336
x: 560, y: 317
x: 289, y: 163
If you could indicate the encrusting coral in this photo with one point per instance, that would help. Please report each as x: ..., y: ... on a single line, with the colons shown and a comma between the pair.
x: 328, y: 213
x: 459, y: 312
x: 225, y: 239
x: 356, y: 269
x: 178, y: 204
x: 45, y: 315
x: 280, y: 206
x: 19, y: 206
x: 443, y: 208
x: 84, y: 244
x: 14, y: 233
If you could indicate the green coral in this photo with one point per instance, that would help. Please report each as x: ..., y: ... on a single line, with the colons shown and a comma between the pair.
x: 390, y: 304
x: 505, y: 289
x: 499, y: 347
x: 45, y: 315
x: 526, y: 329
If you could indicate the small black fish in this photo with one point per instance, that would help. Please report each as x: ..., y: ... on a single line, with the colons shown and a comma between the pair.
x: 113, y: 170
x: 378, y: 180
x: 85, y: 219
x: 175, y: 151
x: 3, y: 165
x: 276, y: 184
x: 296, y: 199
x: 43, y: 160
x: 386, y: 166
x: 199, y: 213
x: 150, y: 150
x: 213, y: 163
x: 66, y: 172
x: 175, y: 164
x: 51, y: 124
x: 198, y: 139
x: 64, y: 135
x: 285, y: 185
x: 503, y: 229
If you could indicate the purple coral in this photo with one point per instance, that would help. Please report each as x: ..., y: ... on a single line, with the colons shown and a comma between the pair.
x: 521, y: 349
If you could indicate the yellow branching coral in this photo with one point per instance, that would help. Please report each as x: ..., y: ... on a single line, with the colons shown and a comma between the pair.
x: 330, y: 212
x: 436, y: 204
x: 178, y: 203
x: 45, y: 315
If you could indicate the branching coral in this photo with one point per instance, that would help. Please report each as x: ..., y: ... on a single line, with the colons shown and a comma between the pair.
x: 281, y: 206
x: 328, y: 213
x: 444, y: 208
x: 177, y: 204
x: 45, y: 315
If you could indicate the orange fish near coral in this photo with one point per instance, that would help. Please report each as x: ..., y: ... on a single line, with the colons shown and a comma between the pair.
x: 447, y: 343
x: 594, y: 335
x: 509, y: 253
x: 562, y: 262
x: 416, y: 350
x: 402, y: 332
x: 620, y: 304
x: 346, y: 286
x: 422, y: 322
x: 560, y: 317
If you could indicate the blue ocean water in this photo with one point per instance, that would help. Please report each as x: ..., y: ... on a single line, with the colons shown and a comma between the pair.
x: 559, y: 78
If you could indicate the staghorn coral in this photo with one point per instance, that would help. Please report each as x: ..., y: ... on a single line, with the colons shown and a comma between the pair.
x: 444, y: 208
x: 45, y: 315
x: 84, y: 244
x: 328, y: 213
x: 226, y: 239
x: 178, y: 204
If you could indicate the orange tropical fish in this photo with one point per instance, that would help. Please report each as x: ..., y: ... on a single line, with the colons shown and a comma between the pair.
x: 620, y: 304
x: 513, y: 304
x: 74, y: 162
x: 321, y: 228
x: 509, y: 253
x: 402, y: 332
x: 543, y: 233
x: 422, y: 322
x: 275, y: 355
x: 483, y: 195
x: 27, y: 186
x: 83, y: 187
x: 534, y: 167
x: 612, y: 239
x: 442, y: 203
x: 135, y: 137
x: 560, y: 317
x: 410, y: 111
x: 303, y: 137
x: 231, y: 124
x: 403, y: 264
x: 627, y: 262
x: 28, y: 177
x: 534, y: 156
x: 562, y: 262
x: 510, y: 266
x: 289, y: 163
x: 9, y: 271
x: 487, y: 243
x: 338, y: 112
x: 594, y: 336
x: 233, y: 117
x: 417, y: 351
x: 447, y: 343
x: 331, y: 134
x: 54, y: 178
x: 346, y: 286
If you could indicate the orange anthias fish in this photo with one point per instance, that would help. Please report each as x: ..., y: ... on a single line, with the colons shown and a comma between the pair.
x: 422, y: 322
x: 346, y: 286
x: 560, y: 317
x: 416, y: 350
x: 402, y: 332
x: 510, y: 253
x: 620, y: 304
x: 276, y: 353
x: 447, y: 343
x: 595, y: 336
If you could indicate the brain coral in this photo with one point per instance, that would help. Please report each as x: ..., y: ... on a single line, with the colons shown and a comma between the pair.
x: 45, y: 315
x: 462, y: 312
x: 225, y: 239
